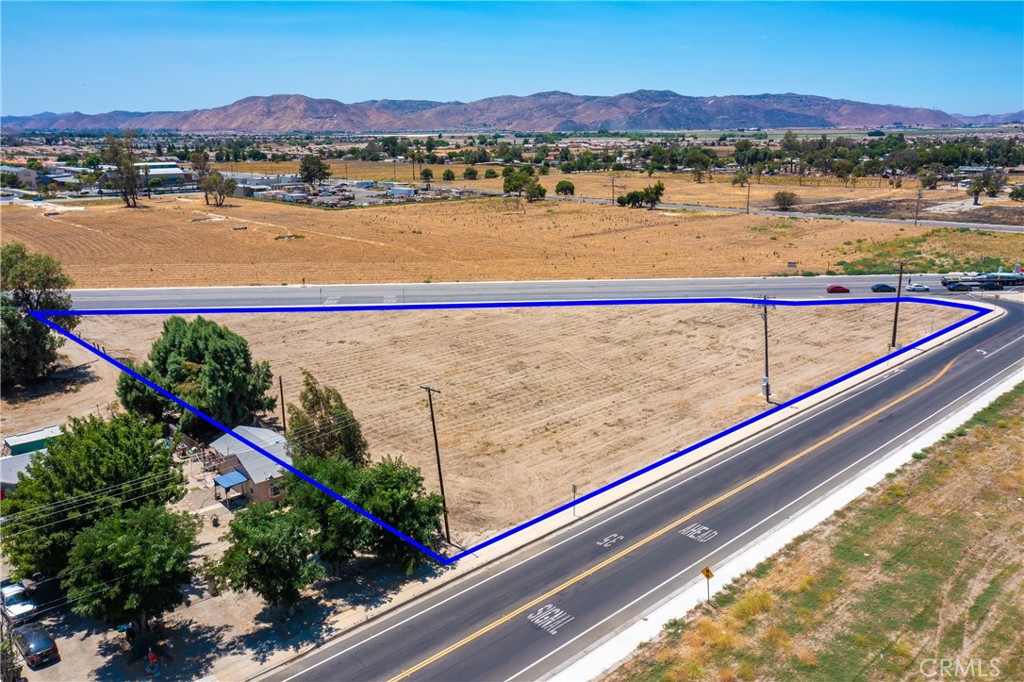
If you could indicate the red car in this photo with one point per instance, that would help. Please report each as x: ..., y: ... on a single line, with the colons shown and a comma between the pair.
x: 837, y: 289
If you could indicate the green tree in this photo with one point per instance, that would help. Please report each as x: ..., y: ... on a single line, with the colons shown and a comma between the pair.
x: 339, y: 532
x: 8, y: 179
x: 220, y: 186
x: 490, y: 173
x: 125, y: 177
x: 200, y: 169
x: 785, y: 200
x: 90, y: 470
x: 313, y: 169
x: 652, y: 194
x: 533, y: 190
x: 36, y: 165
x: 448, y: 175
x: 393, y: 491
x: 741, y: 178
x: 976, y: 188
x: 565, y: 188
x: 130, y: 565
x: 206, y: 365
x: 515, y: 183
x: 271, y: 552
x: 426, y: 175
x: 10, y: 668
x: 470, y: 173
x: 323, y: 427
x: 30, y: 282
x: 1017, y: 193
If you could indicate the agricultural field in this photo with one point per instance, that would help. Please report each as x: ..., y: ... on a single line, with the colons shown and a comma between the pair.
x: 180, y: 241
x: 532, y: 401
x: 924, y: 567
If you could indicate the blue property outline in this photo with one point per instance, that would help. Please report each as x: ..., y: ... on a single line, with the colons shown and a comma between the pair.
x: 43, y: 315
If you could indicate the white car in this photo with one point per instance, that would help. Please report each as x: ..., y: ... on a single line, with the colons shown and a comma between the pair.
x: 917, y: 287
x: 17, y: 606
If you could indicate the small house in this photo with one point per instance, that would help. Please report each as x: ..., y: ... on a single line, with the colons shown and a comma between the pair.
x: 30, y: 441
x: 248, y: 470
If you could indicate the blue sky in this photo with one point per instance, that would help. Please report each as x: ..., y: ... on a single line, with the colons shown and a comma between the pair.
x: 94, y: 57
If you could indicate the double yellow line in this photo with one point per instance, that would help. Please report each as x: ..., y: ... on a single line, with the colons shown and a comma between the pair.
x: 657, y: 534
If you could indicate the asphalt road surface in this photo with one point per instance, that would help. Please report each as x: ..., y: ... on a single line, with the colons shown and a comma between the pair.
x: 451, y: 292
x: 538, y: 609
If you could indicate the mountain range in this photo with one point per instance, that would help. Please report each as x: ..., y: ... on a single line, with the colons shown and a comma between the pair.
x: 643, y: 110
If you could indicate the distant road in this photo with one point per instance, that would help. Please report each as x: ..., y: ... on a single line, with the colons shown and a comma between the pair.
x: 449, y: 292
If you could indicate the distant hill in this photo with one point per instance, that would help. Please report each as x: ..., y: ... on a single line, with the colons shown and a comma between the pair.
x: 543, y: 111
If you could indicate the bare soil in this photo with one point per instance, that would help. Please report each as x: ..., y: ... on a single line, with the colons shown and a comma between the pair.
x: 535, y: 401
x: 179, y: 241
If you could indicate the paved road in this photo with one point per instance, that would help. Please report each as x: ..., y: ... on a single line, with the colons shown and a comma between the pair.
x: 527, y: 615
x: 441, y: 292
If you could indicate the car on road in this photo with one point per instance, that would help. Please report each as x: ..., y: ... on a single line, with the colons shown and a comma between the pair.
x: 917, y: 287
x: 35, y: 644
x: 990, y: 286
x: 17, y: 605
x: 880, y: 288
x: 958, y: 286
x: 837, y: 289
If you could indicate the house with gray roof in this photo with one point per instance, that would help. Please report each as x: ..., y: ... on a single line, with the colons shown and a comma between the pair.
x: 247, y: 469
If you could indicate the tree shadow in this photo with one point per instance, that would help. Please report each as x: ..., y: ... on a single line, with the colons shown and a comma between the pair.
x: 363, y: 583
x: 64, y: 380
x: 186, y: 651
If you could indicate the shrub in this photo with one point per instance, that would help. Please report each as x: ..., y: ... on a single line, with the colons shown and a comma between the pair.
x: 784, y: 200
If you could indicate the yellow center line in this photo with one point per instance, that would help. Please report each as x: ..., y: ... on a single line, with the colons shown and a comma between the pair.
x: 657, y: 534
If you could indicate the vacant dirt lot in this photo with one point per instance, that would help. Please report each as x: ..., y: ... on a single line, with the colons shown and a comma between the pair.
x: 534, y: 401
x: 179, y: 241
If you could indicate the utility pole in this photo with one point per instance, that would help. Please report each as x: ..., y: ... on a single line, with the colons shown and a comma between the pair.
x: 613, y: 189
x: 896, y: 315
x: 766, y: 387
x: 280, y: 385
x: 437, y: 451
x: 917, y: 209
x: 748, y: 195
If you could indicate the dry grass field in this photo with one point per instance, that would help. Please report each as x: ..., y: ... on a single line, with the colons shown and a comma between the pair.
x: 533, y: 401
x: 180, y: 241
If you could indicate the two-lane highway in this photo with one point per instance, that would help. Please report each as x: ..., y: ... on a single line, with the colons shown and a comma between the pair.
x: 525, y: 616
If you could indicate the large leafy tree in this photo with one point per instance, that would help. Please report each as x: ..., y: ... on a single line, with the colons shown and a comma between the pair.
x: 393, y: 491
x: 91, y: 470
x: 124, y: 176
x: 200, y: 169
x: 340, y: 532
x: 208, y: 366
x: 130, y: 565
x: 28, y: 349
x: 322, y: 426
x: 219, y: 185
x: 271, y: 553
x: 313, y: 169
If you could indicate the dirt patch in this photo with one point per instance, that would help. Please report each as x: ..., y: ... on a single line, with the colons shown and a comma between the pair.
x: 177, y: 243
x: 534, y: 401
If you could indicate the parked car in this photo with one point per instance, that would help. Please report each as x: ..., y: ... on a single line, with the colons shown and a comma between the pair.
x: 957, y: 286
x: 35, y: 644
x: 837, y: 289
x: 917, y: 287
x: 880, y: 288
x: 17, y: 606
x: 990, y: 286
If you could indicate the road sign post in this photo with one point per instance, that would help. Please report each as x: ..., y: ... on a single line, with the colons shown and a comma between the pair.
x: 706, y: 572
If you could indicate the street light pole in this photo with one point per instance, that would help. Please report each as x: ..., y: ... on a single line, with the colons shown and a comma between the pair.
x: 896, y: 315
x: 437, y: 452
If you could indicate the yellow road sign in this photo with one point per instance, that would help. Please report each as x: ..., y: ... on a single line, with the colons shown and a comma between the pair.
x: 707, y: 572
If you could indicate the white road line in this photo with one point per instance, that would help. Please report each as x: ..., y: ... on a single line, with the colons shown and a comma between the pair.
x: 1010, y: 343
x: 812, y: 490
x: 592, y: 527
